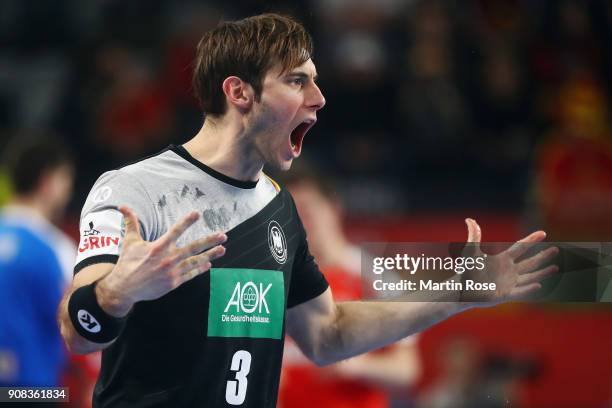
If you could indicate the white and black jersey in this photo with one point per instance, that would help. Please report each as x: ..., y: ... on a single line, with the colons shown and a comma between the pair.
x: 217, y: 340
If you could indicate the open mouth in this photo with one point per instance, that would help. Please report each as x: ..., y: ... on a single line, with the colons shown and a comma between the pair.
x: 297, y: 136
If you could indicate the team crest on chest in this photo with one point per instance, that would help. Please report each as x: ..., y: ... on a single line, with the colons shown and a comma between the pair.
x: 277, y: 242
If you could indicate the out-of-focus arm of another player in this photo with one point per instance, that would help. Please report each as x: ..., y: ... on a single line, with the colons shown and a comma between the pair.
x: 396, y: 368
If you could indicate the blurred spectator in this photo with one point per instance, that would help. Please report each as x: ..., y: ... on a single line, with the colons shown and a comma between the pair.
x: 355, y: 51
x: 570, y: 41
x: 370, y: 380
x: 573, y: 184
x: 434, y: 113
x: 432, y: 106
x: 186, y: 28
x: 35, y: 262
x: 417, y: 90
x: 502, y: 114
x: 132, y: 111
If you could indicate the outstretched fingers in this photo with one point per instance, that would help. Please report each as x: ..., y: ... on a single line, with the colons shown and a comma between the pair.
x: 529, y: 283
x: 130, y: 220
x: 537, y: 260
x: 537, y: 276
x: 179, y: 228
x: 198, y: 264
x: 520, y: 247
x: 202, y: 244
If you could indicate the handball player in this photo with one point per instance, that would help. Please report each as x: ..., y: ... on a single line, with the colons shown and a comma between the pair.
x: 193, y: 264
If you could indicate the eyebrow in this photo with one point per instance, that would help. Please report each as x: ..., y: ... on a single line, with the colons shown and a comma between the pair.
x: 303, y: 75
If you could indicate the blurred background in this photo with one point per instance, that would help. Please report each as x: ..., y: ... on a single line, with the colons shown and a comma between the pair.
x: 436, y: 110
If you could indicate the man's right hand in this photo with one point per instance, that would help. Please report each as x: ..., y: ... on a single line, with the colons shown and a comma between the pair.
x: 148, y: 270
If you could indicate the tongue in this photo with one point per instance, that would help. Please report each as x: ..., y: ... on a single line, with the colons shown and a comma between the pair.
x: 297, y: 136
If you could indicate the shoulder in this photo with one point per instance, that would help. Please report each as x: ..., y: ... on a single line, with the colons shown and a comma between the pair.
x: 159, y: 164
x: 144, y: 169
x: 30, y: 230
x: 23, y: 245
x: 134, y: 180
x: 285, y: 199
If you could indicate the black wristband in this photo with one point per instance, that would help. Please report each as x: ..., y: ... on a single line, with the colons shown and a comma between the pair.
x: 89, y: 319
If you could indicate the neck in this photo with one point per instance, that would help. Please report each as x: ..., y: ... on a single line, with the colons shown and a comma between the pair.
x: 35, y: 204
x: 224, y: 145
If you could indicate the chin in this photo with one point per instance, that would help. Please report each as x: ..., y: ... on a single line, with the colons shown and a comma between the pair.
x: 285, y: 165
x: 280, y: 164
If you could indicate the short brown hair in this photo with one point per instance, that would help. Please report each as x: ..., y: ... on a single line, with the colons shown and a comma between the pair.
x: 28, y: 156
x: 246, y: 48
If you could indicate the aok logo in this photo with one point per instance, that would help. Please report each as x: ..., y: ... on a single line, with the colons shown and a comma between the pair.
x: 248, y: 298
x: 246, y: 303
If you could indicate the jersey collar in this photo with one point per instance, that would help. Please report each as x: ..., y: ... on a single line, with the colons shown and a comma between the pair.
x: 183, y: 153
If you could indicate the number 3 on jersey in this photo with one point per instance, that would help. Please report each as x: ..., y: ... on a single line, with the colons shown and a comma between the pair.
x: 235, y: 392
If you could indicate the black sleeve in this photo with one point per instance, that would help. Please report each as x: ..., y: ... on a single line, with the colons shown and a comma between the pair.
x: 307, y: 280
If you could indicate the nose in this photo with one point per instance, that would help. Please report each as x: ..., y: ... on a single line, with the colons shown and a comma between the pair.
x: 316, y: 99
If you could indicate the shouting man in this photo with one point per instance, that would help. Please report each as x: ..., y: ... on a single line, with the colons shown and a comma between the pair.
x: 193, y: 264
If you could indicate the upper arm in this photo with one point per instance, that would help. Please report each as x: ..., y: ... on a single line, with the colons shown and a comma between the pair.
x: 311, y: 311
x: 101, y: 232
x: 311, y: 323
x: 101, y: 223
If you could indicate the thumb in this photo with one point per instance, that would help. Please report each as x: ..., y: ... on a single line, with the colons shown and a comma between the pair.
x: 130, y: 220
x: 474, y: 233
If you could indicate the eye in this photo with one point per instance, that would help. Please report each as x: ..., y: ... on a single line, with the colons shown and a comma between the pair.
x: 298, y: 81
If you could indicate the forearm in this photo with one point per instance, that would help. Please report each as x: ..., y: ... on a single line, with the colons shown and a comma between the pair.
x: 110, y: 301
x: 74, y: 342
x: 363, y: 326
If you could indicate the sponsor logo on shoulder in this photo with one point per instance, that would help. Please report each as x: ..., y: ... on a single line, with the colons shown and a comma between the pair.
x: 93, y: 240
x: 277, y: 242
x: 91, y: 230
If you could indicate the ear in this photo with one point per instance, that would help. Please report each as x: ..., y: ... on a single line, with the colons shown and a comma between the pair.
x: 238, y: 93
x: 45, y: 183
